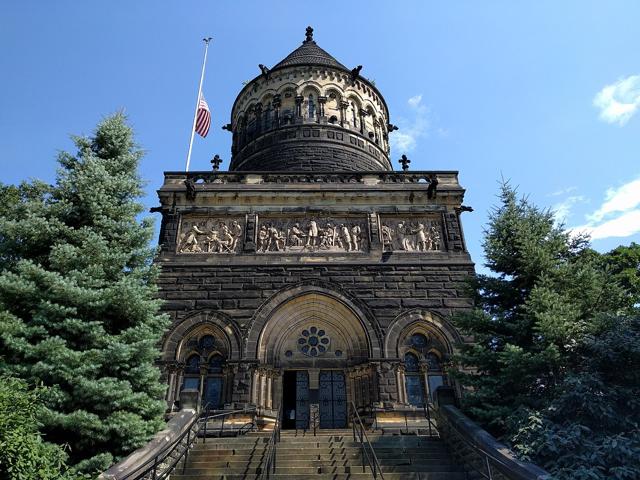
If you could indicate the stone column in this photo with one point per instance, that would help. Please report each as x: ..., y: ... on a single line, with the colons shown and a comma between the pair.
x: 424, y: 370
x: 179, y: 379
x: 361, y: 114
x: 299, y: 100
x: 255, y: 387
x: 258, y: 113
x: 173, y: 370
x: 277, y: 103
x: 263, y: 388
x: 203, y: 379
x: 402, y: 385
x: 269, y: 402
x: 321, y: 103
x: 343, y: 112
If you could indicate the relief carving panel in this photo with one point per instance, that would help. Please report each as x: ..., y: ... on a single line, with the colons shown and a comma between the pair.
x: 216, y: 235
x: 313, y: 234
x: 411, y: 234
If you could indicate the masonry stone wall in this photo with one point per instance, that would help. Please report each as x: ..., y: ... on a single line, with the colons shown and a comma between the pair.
x: 385, y: 290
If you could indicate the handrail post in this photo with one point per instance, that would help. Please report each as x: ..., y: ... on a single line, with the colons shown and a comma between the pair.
x: 406, y: 425
x: 486, y: 457
x: 186, y: 450
x: 222, y: 426
x: 155, y: 467
x: 428, y: 417
x: 206, y: 420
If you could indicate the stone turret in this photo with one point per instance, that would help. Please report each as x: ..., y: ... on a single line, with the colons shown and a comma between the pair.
x: 310, y: 113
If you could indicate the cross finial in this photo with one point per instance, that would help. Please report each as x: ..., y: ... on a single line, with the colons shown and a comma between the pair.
x: 404, y: 161
x: 215, y: 162
x: 309, y: 34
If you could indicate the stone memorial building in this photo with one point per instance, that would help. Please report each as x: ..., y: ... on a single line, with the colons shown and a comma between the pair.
x: 311, y: 274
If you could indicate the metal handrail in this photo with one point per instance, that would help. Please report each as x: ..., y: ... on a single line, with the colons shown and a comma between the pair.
x: 164, y: 462
x: 427, y: 414
x: 486, y: 457
x: 363, y: 439
x: 269, y: 461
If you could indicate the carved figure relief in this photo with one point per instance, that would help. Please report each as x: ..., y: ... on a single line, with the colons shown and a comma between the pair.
x: 210, y: 235
x: 312, y: 235
x: 411, y: 234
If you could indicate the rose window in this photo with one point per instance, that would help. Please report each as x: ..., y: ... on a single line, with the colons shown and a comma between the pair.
x: 313, y: 341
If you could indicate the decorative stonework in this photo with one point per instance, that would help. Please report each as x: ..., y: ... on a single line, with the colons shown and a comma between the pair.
x: 312, y: 235
x: 313, y: 341
x: 210, y: 235
x: 411, y: 234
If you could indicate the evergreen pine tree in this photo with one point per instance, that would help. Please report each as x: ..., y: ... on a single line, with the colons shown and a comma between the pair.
x: 538, y: 317
x: 78, y: 311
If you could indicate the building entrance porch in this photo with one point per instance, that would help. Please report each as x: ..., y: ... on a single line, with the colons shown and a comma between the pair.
x: 301, y: 389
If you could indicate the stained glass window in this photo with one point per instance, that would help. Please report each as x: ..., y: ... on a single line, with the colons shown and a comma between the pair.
x: 411, y: 362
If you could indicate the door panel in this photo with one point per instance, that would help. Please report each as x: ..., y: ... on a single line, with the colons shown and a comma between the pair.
x: 333, y: 399
x: 302, y: 400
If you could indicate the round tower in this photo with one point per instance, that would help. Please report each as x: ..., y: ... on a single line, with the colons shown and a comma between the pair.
x: 310, y: 113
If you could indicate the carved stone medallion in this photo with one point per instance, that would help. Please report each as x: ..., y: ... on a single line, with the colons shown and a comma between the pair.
x: 411, y: 234
x: 313, y: 234
x: 213, y: 235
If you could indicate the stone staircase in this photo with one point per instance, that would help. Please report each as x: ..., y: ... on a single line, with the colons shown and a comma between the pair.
x: 331, y: 454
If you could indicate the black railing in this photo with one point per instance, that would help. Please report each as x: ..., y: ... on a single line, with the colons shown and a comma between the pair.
x: 479, y: 452
x: 165, y: 461
x: 366, y: 449
x: 269, y: 458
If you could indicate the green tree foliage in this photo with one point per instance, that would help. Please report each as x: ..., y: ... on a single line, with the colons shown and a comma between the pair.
x: 78, y: 311
x: 540, y: 368
x: 24, y: 455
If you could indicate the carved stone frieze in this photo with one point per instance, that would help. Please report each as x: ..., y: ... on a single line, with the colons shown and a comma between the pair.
x: 216, y: 235
x: 313, y: 234
x: 411, y: 234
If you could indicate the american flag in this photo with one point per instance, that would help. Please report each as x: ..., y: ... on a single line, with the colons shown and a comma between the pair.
x: 203, y: 118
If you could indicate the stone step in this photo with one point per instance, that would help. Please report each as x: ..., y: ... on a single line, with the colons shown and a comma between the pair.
x: 318, y: 470
x: 351, y: 476
x: 435, y: 464
x: 306, y: 452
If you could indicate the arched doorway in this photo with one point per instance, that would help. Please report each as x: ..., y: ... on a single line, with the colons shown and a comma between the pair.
x: 312, y: 341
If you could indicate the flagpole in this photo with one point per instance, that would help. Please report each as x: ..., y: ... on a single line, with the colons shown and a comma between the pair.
x: 195, y: 114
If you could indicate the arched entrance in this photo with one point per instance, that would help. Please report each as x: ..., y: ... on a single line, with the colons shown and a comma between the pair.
x: 311, y: 343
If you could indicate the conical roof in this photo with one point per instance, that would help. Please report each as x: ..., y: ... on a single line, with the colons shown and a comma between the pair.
x: 309, y: 53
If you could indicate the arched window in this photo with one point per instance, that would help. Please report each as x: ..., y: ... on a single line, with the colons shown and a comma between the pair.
x: 411, y: 362
x: 435, y: 375
x: 418, y: 340
x: 415, y: 389
x: 216, y: 363
x: 193, y: 364
x: 433, y: 361
x: 312, y: 107
x: 192, y: 373
x: 207, y: 342
x: 353, y: 114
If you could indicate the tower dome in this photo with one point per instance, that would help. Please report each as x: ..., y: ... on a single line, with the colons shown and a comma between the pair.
x: 310, y: 113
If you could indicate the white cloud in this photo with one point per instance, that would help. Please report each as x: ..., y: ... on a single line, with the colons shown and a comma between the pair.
x: 562, y: 210
x: 618, y: 216
x: 619, y: 199
x: 405, y: 139
x: 619, y: 101
x: 625, y: 225
x: 562, y: 191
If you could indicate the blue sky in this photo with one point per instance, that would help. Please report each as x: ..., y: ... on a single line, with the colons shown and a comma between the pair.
x: 545, y: 93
